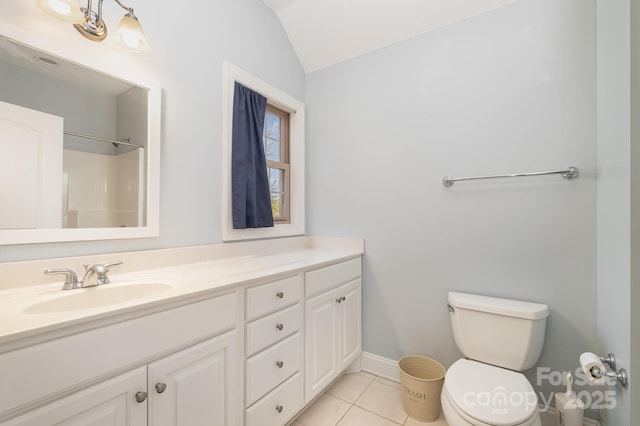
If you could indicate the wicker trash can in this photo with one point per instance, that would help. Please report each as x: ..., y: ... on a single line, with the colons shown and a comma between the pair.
x: 422, y: 380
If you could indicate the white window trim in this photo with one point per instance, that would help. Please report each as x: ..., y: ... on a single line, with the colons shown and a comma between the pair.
x: 232, y: 74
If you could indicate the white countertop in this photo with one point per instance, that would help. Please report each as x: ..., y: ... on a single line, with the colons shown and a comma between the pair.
x: 187, y: 282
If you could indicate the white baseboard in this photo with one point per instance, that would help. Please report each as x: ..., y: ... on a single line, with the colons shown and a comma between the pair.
x: 383, y: 367
x: 388, y: 368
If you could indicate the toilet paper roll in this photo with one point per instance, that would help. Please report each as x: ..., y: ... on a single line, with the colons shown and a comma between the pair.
x: 588, y: 361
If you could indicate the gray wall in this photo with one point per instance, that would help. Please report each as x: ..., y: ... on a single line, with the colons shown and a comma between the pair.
x: 614, y: 186
x: 509, y: 91
x: 186, y: 59
x: 84, y: 110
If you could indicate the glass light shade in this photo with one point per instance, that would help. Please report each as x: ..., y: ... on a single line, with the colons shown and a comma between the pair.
x: 64, y: 10
x: 131, y: 34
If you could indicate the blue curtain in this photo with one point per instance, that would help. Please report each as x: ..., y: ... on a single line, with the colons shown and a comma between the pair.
x: 251, y: 199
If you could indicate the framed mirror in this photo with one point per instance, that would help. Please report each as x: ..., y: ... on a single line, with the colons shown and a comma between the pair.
x: 80, y: 146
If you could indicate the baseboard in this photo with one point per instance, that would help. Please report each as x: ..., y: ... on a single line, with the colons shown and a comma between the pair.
x: 383, y: 367
x: 388, y: 368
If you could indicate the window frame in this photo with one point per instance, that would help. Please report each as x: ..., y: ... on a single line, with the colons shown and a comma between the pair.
x: 284, y: 163
x: 296, y: 148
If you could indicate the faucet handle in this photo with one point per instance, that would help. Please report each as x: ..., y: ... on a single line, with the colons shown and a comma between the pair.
x: 71, y: 279
x: 102, y: 269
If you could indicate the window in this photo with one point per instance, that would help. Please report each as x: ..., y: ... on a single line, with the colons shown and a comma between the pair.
x: 276, y: 150
x: 283, y: 138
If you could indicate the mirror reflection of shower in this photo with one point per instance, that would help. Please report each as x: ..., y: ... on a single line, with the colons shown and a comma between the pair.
x: 89, y: 174
x: 103, y: 190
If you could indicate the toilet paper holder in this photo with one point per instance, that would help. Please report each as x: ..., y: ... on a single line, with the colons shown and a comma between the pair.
x: 610, y: 360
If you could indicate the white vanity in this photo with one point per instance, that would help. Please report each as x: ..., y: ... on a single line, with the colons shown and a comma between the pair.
x: 243, y: 333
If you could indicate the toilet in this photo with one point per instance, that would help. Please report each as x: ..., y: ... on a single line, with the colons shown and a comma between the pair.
x: 499, y: 338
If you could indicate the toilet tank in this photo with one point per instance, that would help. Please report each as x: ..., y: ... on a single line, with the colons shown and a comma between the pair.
x: 502, y: 332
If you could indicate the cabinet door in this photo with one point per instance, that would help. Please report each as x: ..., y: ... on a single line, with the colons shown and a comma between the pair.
x: 321, y: 339
x: 110, y: 403
x: 350, y: 323
x: 197, y: 386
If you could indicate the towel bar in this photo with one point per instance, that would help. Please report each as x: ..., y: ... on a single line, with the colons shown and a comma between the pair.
x: 568, y: 173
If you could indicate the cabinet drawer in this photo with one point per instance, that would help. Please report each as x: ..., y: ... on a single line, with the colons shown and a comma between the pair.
x: 329, y: 277
x: 268, y: 330
x: 279, y: 406
x: 271, y: 367
x: 273, y: 296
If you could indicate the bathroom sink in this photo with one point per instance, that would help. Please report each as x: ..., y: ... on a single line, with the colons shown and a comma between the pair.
x: 93, y: 297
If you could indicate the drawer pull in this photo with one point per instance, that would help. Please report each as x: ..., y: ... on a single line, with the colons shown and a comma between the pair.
x: 141, y: 396
x: 341, y: 299
x: 161, y: 387
x: 279, y: 295
x: 280, y: 326
x: 280, y: 364
x: 279, y: 408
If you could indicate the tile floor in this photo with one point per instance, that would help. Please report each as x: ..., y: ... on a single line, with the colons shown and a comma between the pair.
x: 360, y: 399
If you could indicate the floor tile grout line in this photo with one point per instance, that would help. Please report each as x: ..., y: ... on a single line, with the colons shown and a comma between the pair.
x: 378, y: 414
x: 375, y: 378
x: 387, y: 384
x: 359, y: 395
x: 353, y: 404
x: 381, y: 416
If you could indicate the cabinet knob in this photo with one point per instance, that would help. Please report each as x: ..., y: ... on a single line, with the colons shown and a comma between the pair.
x: 341, y: 299
x: 141, y: 396
x: 279, y: 295
x: 161, y: 387
x: 279, y: 408
x: 280, y: 326
x: 280, y: 364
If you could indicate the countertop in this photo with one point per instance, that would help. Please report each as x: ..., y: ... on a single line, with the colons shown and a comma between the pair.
x: 187, y: 282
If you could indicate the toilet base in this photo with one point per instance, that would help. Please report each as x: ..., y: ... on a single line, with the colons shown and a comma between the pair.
x: 455, y: 419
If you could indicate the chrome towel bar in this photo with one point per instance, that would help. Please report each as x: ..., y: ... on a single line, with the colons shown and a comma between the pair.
x: 568, y: 173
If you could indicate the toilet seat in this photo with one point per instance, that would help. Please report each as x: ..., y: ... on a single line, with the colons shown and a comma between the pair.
x: 483, y: 394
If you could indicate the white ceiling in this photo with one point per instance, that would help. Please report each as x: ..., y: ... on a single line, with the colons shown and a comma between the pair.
x: 326, y: 32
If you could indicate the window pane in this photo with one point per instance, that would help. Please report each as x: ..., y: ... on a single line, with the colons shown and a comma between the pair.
x: 276, y: 181
x: 272, y: 126
x: 276, y: 205
x: 272, y: 149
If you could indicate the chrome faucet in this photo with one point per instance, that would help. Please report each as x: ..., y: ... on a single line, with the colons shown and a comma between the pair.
x: 71, y: 278
x: 100, y: 271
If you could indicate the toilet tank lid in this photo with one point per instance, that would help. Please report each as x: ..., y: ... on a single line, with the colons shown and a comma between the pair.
x: 498, y: 306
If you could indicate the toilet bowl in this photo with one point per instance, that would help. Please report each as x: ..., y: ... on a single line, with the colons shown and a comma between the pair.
x: 479, y: 394
x: 499, y: 338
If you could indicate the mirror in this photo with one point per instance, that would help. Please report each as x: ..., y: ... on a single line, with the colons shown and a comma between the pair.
x: 80, y: 148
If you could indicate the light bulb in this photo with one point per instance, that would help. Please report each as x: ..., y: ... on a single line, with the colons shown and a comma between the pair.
x: 131, y: 34
x: 59, y: 7
x: 64, y: 10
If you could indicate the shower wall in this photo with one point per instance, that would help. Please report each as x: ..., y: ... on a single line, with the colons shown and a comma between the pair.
x: 101, y: 190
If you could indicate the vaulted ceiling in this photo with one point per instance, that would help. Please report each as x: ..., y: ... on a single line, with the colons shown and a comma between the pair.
x: 326, y: 32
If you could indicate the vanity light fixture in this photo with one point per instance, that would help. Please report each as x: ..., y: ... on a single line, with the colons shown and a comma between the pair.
x: 89, y: 23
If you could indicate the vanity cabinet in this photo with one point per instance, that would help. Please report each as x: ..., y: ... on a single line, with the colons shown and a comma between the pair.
x: 253, y: 354
x: 273, y: 350
x: 333, y: 336
x: 183, y: 371
x: 189, y: 388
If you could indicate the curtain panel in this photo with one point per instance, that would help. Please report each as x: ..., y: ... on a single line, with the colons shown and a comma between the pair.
x: 250, y: 195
